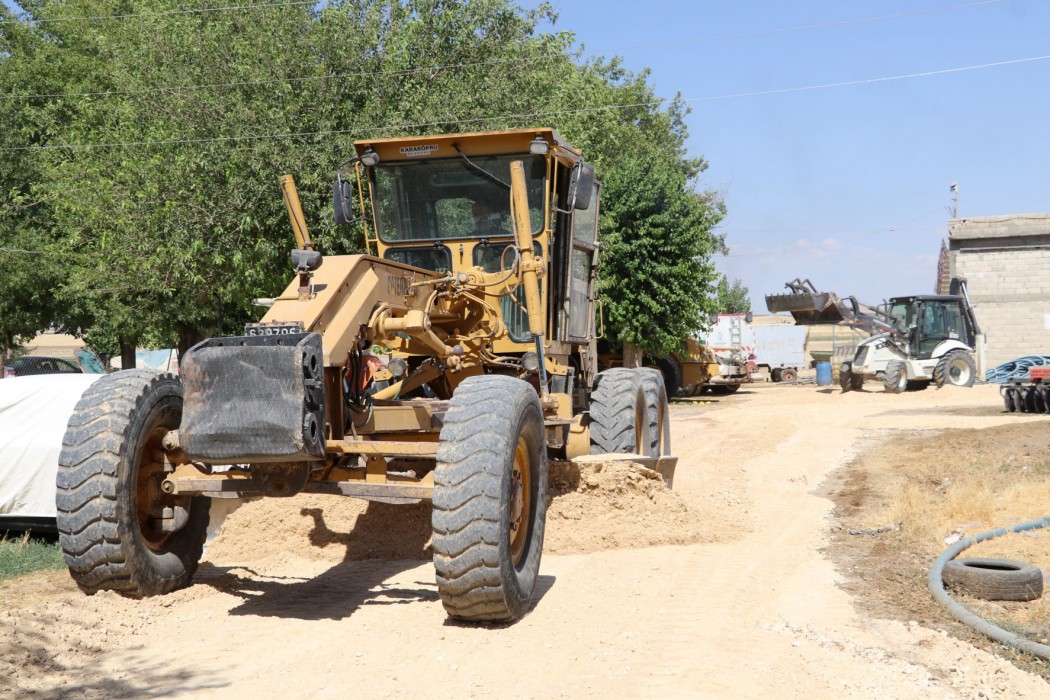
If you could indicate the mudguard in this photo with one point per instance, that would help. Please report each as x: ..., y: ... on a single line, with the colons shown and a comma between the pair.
x: 254, y: 399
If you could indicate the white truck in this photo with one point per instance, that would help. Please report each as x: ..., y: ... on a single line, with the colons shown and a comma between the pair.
x: 780, y: 350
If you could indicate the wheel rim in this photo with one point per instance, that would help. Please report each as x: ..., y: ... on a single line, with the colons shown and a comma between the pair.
x: 958, y: 372
x: 150, y: 502
x: 521, y: 502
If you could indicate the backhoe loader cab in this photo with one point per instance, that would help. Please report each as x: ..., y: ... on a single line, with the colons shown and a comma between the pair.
x: 929, y: 339
x: 449, y: 363
x: 930, y: 321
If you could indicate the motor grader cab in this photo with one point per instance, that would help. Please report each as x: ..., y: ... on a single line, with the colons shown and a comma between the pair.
x: 917, y: 339
x: 450, y: 363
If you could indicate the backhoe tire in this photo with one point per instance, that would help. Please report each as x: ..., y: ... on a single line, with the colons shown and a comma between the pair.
x: 846, y: 376
x: 956, y: 368
x: 788, y: 375
x: 856, y: 381
x: 618, y: 414
x: 490, y: 500
x: 895, y: 378
x: 657, y: 411
x: 109, y: 502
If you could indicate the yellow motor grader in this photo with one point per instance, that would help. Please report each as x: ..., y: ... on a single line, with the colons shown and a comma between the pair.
x: 449, y: 364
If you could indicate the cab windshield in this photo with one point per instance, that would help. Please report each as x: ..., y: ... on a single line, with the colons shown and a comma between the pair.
x: 431, y: 200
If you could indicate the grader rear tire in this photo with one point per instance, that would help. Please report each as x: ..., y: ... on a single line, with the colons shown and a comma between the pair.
x: 490, y: 500
x: 619, y: 422
x: 109, y: 499
x: 656, y: 409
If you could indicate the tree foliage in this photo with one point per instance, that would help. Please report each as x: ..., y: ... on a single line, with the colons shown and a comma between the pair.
x: 142, y: 153
x: 733, y: 298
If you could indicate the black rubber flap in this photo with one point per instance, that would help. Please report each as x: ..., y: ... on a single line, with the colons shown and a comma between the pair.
x: 254, y: 399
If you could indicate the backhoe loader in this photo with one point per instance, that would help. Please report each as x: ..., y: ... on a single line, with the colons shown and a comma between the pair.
x: 449, y: 363
x: 916, y: 339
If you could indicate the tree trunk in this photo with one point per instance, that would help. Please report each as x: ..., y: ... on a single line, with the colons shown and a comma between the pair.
x: 188, y: 337
x: 127, y: 353
x: 632, y: 355
x: 9, y: 344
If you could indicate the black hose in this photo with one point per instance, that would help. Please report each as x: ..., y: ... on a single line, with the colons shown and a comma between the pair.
x: 964, y: 614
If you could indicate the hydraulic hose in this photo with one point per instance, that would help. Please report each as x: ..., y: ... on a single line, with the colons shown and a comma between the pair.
x: 965, y: 615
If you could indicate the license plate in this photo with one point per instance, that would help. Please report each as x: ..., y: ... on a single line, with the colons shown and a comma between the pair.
x: 292, y: 328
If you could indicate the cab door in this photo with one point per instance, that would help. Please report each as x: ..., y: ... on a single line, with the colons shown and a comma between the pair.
x: 583, y: 266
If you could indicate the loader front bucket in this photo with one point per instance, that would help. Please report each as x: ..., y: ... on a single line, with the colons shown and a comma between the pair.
x: 808, y: 306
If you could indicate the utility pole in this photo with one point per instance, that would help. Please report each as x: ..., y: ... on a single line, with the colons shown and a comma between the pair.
x: 955, y: 200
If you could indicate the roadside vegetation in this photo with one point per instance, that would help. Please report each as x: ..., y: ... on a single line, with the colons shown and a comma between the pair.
x: 908, y: 497
x: 24, y: 554
x: 142, y: 144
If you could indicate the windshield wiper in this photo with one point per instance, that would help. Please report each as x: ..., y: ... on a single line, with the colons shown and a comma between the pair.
x: 480, y: 169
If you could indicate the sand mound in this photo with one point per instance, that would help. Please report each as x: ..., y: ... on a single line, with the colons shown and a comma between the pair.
x: 594, y: 506
x: 614, y: 505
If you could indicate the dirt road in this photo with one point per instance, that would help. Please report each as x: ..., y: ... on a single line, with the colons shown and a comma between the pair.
x: 750, y: 608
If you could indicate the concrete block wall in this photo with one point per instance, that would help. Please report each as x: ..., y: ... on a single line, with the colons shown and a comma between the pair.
x: 1010, y: 290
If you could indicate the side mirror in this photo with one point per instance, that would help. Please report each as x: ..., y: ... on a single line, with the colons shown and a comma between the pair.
x: 343, y: 202
x: 581, y: 186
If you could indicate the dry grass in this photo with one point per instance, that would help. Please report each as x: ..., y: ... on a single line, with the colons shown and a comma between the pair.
x: 965, y: 482
x: 939, y: 487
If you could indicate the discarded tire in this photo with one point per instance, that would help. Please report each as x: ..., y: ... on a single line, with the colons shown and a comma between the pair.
x: 994, y: 579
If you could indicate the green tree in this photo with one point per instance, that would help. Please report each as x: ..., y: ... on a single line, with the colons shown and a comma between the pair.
x: 733, y: 298
x: 164, y: 219
x: 656, y: 272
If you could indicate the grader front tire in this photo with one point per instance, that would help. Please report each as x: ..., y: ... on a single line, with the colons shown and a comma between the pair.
x: 490, y: 500
x: 110, y: 510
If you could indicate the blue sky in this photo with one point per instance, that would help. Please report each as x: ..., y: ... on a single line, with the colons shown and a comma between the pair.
x: 848, y: 186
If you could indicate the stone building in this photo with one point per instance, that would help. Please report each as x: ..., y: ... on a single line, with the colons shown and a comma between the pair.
x: 1006, y: 262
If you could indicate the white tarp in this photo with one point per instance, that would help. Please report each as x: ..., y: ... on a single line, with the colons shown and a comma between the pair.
x: 34, y: 411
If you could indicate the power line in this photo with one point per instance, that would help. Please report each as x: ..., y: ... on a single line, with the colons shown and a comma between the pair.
x: 869, y: 81
x: 891, y: 228
x: 166, y: 13
x: 532, y: 115
x: 440, y: 67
